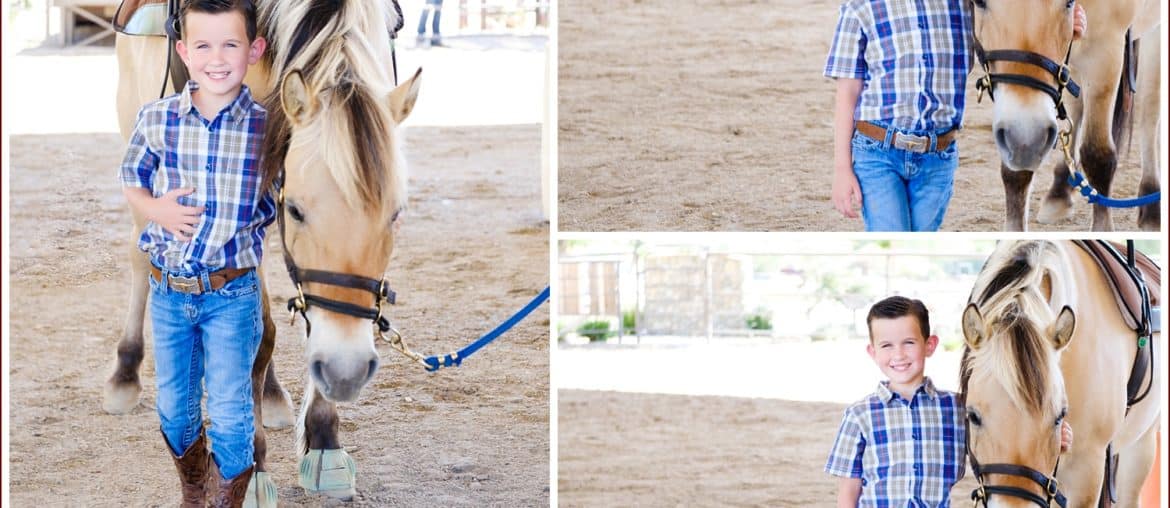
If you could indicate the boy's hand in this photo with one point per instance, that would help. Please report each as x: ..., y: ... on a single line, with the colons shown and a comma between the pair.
x: 1080, y: 22
x: 1066, y: 436
x: 179, y: 220
x: 846, y: 193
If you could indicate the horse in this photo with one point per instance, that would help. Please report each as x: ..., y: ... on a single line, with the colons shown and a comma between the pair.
x: 1046, y: 342
x: 1030, y: 60
x: 331, y: 142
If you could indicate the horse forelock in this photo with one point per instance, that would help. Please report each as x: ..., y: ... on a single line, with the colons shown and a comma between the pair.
x: 336, y: 46
x: 1017, y: 354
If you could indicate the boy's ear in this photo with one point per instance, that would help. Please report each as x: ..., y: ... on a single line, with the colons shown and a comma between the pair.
x: 403, y: 96
x: 181, y: 49
x: 931, y: 344
x: 973, y: 326
x: 256, y: 50
x: 296, y: 100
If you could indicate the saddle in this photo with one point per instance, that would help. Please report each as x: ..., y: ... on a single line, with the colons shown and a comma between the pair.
x: 1126, y: 291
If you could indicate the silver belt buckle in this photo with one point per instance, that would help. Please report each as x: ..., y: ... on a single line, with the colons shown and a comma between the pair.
x: 911, y: 142
x: 184, y: 284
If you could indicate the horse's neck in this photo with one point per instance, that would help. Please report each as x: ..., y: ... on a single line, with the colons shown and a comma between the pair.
x: 259, y: 79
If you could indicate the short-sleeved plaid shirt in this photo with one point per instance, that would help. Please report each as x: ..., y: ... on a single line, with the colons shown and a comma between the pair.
x: 907, y: 453
x: 914, y: 57
x: 173, y: 146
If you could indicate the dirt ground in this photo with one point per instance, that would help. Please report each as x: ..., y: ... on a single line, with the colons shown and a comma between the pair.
x: 713, y: 116
x: 635, y: 449
x: 473, y: 250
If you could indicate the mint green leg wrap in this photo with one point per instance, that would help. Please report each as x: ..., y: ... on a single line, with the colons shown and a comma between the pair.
x: 329, y: 472
x: 261, y: 491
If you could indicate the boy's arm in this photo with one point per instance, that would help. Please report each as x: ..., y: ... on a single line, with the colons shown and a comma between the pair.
x: 846, y: 192
x: 165, y: 211
x: 848, y: 492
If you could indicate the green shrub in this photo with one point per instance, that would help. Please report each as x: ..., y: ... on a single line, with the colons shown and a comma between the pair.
x: 759, y: 322
x: 596, y: 330
x: 629, y: 321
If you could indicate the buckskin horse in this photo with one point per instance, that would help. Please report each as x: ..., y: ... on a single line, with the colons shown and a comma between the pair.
x: 1046, y: 341
x: 331, y: 142
x: 1030, y: 61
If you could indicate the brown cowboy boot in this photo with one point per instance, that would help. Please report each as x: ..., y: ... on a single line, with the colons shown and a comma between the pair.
x: 230, y: 493
x: 192, y: 466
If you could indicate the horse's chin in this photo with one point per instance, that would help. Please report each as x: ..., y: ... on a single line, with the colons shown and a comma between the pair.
x: 1021, y: 162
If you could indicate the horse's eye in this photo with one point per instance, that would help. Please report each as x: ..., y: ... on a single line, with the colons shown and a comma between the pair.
x: 982, y: 4
x: 973, y: 417
x: 1060, y: 419
x: 295, y: 213
x: 1070, y: 4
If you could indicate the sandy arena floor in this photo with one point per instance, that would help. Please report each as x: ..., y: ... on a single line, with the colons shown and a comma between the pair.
x: 713, y: 116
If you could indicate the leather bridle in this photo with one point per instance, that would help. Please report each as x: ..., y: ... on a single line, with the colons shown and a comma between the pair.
x: 1048, y: 484
x: 1060, y: 73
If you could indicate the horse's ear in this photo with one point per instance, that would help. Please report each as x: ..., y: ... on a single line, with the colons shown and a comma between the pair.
x: 973, y: 326
x: 403, y: 96
x: 295, y: 99
x: 1066, y: 324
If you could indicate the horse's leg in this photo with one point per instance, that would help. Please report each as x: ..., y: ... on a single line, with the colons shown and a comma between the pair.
x: 1147, y: 123
x: 124, y: 387
x: 1082, y: 471
x: 1134, y: 466
x: 1057, y: 205
x: 1098, y: 153
x: 1016, y: 187
x: 273, y: 398
x: 261, y: 488
x: 325, y: 468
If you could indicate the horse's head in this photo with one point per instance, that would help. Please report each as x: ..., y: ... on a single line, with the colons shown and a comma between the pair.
x: 1015, y: 37
x: 1011, y: 379
x: 332, y: 131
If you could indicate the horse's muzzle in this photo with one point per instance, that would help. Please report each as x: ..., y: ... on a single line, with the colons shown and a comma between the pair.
x: 341, y: 379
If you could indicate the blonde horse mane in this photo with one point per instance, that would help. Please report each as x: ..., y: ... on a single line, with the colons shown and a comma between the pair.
x: 1010, y: 294
x: 341, y: 49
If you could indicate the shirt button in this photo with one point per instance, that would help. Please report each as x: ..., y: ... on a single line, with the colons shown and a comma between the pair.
x: 914, y: 435
x: 208, y: 165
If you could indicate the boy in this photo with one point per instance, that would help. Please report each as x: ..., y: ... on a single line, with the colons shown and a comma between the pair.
x: 901, y: 69
x: 906, y: 442
x: 192, y: 169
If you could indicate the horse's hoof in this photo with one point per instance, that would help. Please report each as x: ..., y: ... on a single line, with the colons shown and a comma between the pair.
x: 261, y: 491
x: 277, y: 414
x: 329, y: 472
x: 120, y: 398
x: 1053, y: 211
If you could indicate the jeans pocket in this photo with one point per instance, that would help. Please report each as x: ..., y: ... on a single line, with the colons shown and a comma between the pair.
x: 951, y: 153
x: 243, y: 285
x: 863, y: 142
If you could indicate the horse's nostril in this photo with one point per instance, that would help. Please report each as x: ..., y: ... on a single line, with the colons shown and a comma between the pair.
x: 372, y: 369
x: 317, y: 368
x: 1001, y: 136
x: 1051, y: 137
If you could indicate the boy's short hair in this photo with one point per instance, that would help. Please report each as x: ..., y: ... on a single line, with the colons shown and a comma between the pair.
x: 896, y: 307
x: 246, y: 8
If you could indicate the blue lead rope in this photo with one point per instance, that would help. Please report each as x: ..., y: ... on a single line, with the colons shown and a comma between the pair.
x: 1078, y: 183
x: 456, y: 358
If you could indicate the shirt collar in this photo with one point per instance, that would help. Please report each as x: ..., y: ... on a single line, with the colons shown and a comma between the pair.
x: 886, y: 394
x: 237, y: 111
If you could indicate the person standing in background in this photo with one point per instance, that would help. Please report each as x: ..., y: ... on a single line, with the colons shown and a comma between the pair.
x: 435, y: 6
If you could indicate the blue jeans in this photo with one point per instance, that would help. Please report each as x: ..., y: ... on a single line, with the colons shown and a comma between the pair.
x: 437, y: 7
x: 903, y: 190
x: 208, y: 340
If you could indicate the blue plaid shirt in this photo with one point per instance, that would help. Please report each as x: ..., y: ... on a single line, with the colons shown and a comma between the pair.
x: 913, y: 56
x: 173, y: 146
x: 906, y: 452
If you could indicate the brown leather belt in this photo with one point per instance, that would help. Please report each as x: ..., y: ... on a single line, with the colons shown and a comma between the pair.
x: 194, y: 285
x: 920, y: 144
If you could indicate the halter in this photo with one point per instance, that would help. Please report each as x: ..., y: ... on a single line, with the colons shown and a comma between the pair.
x: 380, y: 288
x: 1048, y: 484
x: 1060, y: 73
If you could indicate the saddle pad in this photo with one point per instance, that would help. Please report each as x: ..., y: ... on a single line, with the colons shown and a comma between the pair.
x: 141, y: 17
x: 1125, y: 290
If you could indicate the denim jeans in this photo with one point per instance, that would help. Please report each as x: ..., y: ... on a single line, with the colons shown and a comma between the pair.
x: 437, y: 7
x: 903, y: 190
x: 208, y: 340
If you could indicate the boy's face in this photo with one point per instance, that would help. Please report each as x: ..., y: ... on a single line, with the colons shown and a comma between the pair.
x: 899, y: 349
x: 217, y: 52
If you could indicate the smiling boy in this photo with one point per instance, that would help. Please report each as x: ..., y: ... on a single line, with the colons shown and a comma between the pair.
x: 192, y: 169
